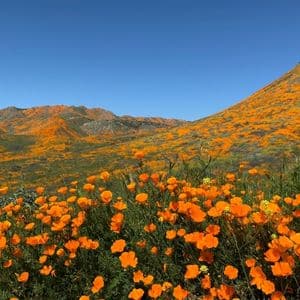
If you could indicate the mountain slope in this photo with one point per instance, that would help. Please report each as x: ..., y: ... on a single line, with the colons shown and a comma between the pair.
x: 49, y: 143
x: 259, y: 127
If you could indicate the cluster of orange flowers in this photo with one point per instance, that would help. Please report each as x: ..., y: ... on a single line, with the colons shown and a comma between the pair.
x: 196, y: 218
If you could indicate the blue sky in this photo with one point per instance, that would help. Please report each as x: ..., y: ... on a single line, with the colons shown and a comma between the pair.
x: 185, y: 59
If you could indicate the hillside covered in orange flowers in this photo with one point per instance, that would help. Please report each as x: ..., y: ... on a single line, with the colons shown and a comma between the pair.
x: 51, y: 143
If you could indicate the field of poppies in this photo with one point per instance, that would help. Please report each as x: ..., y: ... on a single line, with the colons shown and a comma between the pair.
x: 153, y: 235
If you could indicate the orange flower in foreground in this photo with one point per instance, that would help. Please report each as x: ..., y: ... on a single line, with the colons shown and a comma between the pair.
x: 231, y: 272
x: 46, y: 270
x: 138, y: 276
x: 196, y: 214
x: 116, y: 222
x: 120, y: 205
x: 179, y: 293
x: 139, y: 155
x: 155, y: 291
x: 23, y: 277
x: 192, y: 271
x: 295, y: 238
x: 136, y: 294
x: 213, y: 229
x: 98, y: 284
x: 267, y: 287
x: 148, y: 280
x: 281, y: 269
x: 8, y: 263
x: 206, y: 282
x: 141, y: 198
x: 225, y: 292
x: 3, y: 190
x: 72, y: 245
x: 253, y: 171
x: 150, y: 227
x: 104, y: 175
x: 106, y: 196
x: 118, y: 246
x: 277, y: 296
x: 272, y: 255
x: 84, y: 297
x: 128, y: 259
x: 88, y: 187
x: 2, y: 242
x: 250, y: 262
x: 40, y: 190
x: 171, y: 234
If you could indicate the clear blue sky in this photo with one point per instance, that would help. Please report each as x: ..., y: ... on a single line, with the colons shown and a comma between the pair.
x: 184, y: 59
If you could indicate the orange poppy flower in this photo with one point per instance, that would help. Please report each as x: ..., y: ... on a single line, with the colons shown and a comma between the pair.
x: 170, y: 234
x: 192, y: 271
x: 40, y: 190
x: 250, y: 262
x: 267, y: 287
x: 8, y: 263
x: 285, y: 242
x: 2, y: 242
x: 72, y: 245
x: 230, y: 177
x: 240, y: 210
x: 179, y: 293
x: 181, y: 232
x: 43, y: 259
x: 148, y: 279
x: 29, y: 226
x: 150, y: 228
x: 281, y: 269
x: 128, y: 259
x: 84, y: 297
x: 209, y: 241
x: 104, y: 175
x: 225, y: 292
x: 3, y: 190
x: 106, y: 196
x: 213, y: 229
x: 120, y: 205
x: 277, y: 296
x: 139, y: 154
x: 88, y: 187
x: 272, y: 255
x: 141, y: 198
x: 295, y: 238
x: 138, y: 276
x: 155, y: 291
x: 154, y: 250
x: 144, y: 177
x: 116, y: 222
x: 169, y: 251
x: 196, y: 214
x: 253, y: 171
x: 46, y: 270
x: 136, y: 294
x: 231, y: 272
x: 118, y: 246
x: 206, y: 282
x: 98, y: 284
x: 23, y: 277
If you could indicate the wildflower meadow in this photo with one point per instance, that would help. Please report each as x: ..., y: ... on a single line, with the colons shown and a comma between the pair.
x: 152, y: 235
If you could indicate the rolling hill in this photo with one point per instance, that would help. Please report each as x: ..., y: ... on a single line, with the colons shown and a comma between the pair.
x: 49, y: 143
